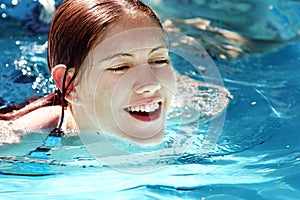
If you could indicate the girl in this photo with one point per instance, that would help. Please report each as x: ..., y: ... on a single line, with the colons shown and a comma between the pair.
x: 110, y: 61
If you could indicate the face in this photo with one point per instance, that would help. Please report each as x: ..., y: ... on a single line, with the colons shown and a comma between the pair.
x: 128, y: 82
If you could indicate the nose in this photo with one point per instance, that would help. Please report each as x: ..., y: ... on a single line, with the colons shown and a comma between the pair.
x: 147, y: 82
x: 148, y: 88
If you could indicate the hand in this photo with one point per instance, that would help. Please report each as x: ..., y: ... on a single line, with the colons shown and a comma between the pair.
x: 10, y: 134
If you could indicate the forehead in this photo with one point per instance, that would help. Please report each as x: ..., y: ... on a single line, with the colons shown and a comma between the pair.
x: 129, y: 34
x: 131, y: 40
x: 130, y: 21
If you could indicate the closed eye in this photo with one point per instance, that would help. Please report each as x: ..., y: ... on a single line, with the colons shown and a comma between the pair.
x: 160, y: 62
x: 119, y: 69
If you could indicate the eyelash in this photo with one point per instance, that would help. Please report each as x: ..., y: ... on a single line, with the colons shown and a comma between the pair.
x: 119, y: 69
x: 160, y: 61
x: 123, y: 68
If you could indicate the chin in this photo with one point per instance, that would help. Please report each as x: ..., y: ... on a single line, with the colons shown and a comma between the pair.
x: 147, y: 141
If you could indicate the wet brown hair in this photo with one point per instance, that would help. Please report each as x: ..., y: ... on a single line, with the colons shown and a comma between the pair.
x: 76, y: 28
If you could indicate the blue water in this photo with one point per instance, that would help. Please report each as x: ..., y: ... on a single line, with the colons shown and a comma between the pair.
x: 255, y: 45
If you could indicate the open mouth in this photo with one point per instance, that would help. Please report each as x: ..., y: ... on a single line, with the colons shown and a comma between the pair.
x: 145, y: 113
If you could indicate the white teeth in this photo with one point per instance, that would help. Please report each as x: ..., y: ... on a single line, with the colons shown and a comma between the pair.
x: 145, y: 108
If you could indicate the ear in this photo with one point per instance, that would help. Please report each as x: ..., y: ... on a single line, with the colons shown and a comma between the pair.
x: 58, y: 73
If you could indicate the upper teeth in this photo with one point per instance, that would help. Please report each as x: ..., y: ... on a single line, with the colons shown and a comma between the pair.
x: 144, y: 108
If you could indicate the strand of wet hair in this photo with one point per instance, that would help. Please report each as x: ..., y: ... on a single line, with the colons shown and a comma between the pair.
x: 57, y: 131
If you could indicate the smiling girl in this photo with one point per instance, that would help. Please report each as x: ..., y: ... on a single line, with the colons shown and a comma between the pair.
x: 110, y: 61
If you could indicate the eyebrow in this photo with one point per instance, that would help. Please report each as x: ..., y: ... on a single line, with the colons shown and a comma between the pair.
x: 158, y: 48
x: 130, y: 55
x: 116, y: 56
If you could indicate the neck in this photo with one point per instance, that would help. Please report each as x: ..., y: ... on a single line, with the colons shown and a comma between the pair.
x: 69, y: 121
x: 76, y: 119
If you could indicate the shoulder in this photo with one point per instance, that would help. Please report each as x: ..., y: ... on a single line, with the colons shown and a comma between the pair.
x: 39, y: 119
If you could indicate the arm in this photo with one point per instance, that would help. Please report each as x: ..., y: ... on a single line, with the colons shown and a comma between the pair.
x: 40, y: 119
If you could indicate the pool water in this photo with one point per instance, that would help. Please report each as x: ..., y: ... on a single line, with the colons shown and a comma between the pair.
x: 255, y: 46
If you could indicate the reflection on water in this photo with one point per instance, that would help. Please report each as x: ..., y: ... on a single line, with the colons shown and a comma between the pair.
x: 30, y: 17
x: 234, y: 29
x: 222, y: 43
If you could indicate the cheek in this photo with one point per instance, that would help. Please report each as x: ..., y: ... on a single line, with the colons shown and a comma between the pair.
x: 108, y: 95
x: 166, y: 77
x: 102, y: 106
x: 103, y: 93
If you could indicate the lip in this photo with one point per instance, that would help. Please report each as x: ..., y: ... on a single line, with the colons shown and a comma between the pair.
x: 143, y: 115
x: 145, y: 102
